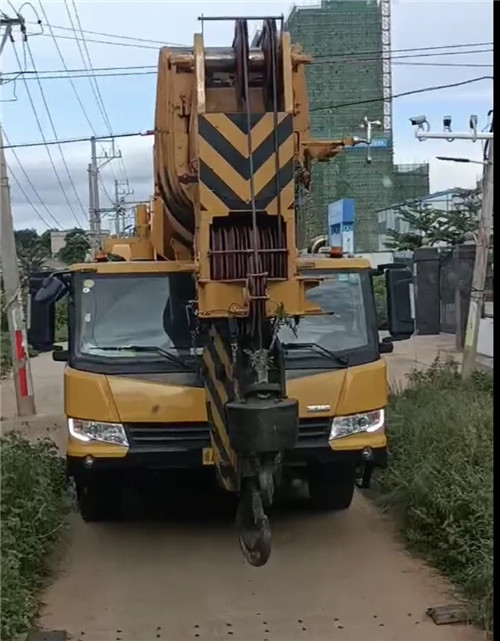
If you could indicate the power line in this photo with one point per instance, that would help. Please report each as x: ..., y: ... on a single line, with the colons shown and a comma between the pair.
x: 77, y: 95
x: 28, y: 199
x: 337, y: 59
x: 140, y: 70
x: 29, y: 181
x: 96, y: 83
x: 55, y: 133
x: 88, y: 68
x: 148, y: 132
x: 64, y: 76
x: 93, y: 75
x: 377, y: 52
x: 103, y: 42
x: 112, y: 35
x: 40, y: 128
x: 405, y: 93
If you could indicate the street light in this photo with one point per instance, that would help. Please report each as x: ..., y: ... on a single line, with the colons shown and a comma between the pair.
x: 453, y: 159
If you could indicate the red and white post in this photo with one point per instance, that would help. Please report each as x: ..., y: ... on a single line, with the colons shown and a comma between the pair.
x: 13, y: 299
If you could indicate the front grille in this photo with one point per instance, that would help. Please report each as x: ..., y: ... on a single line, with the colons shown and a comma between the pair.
x: 192, y: 436
x: 314, y: 429
x: 164, y: 436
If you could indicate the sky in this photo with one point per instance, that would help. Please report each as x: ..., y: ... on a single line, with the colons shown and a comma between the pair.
x: 129, y: 101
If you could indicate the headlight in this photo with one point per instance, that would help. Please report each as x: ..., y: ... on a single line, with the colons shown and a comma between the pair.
x: 97, y: 431
x: 356, y: 423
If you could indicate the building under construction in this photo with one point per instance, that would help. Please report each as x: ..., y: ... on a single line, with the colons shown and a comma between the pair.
x: 350, y: 78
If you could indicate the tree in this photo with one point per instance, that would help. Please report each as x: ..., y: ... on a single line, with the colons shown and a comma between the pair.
x: 31, y: 253
x: 46, y: 240
x: 429, y: 226
x: 76, y: 247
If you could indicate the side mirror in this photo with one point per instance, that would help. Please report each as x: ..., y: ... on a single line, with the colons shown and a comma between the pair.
x: 60, y: 355
x: 400, y: 303
x: 52, y: 290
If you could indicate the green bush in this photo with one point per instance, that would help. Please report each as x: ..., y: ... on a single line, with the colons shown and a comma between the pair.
x: 33, y: 510
x: 61, y: 321
x: 5, y: 355
x: 380, y: 301
x: 440, y: 477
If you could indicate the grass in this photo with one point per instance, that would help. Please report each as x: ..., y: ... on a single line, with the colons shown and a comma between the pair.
x: 33, y: 509
x: 440, y: 478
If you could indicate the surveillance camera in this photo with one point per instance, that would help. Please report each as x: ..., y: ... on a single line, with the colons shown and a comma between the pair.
x: 418, y: 121
x: 473, y: 122
x: 447, y: 123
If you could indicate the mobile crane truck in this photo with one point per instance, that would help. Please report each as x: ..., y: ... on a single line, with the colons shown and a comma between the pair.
x: 207, y: 339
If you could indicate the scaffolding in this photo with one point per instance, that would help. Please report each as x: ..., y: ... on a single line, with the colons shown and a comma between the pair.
x: 350, y: 78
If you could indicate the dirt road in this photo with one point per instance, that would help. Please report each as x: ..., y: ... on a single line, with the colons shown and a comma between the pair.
x: 173, y: 571
x: 176, y: 577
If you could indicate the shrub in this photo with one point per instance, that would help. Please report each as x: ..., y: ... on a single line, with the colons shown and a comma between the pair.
x: 440, y: 477
x: 380, y: 292
x: 5, y: 355
x: 32, y: 516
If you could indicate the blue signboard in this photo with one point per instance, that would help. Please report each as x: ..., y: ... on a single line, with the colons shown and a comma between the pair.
x: 341, y: 215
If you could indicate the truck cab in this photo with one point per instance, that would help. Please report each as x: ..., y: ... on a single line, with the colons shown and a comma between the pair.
x: 134, y: 396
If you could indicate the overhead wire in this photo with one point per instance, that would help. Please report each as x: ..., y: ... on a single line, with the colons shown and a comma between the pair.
x: 45, y: 143
x: 112, y: 35
x: 75, y: 91
x: 52, y: 125
x: 122, y: 162
x: 404, y: 93
x: 28, y: 199
x: 332, y: 59
x: 29, y: 181
x: 87, y: 62
x: 63, y: 76
x: 150, y: 132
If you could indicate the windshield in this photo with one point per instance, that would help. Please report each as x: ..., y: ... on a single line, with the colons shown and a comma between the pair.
x: 134, y: 317
x: 347, y: 328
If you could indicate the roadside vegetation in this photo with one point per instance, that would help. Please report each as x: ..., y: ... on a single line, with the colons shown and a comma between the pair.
x: 33, y: 509
x: 439, y: 483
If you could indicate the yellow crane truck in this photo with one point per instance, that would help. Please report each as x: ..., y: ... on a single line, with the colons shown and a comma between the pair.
x: 208, y: 339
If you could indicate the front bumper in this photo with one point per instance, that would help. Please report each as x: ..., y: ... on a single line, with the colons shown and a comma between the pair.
x: 156, y: 447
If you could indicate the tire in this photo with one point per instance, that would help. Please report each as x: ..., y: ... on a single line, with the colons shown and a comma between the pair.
x: 331, y: 486
x: 99, y: 499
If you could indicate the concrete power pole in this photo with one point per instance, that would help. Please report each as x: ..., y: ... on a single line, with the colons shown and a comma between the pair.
x: 95, y: 216
x: 480, y: 268
x: 94, y: 206
x: 23, y: 383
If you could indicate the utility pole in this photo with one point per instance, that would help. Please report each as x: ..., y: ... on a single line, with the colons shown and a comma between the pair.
x: 23, y: 383
x: 94, y: 207
x: 120, y: 204
x: 485, y: 227
x: 480, y: 268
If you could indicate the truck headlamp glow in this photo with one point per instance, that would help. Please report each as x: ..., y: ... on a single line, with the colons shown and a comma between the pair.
x: 97, y: 431
x: 357, y: 423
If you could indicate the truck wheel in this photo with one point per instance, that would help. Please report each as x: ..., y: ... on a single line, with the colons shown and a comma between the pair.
x: 99, y: 499
x: 331, y: 485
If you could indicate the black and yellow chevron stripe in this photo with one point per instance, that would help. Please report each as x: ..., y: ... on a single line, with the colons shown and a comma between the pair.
x: 224, y: 172
x: 219, y: 390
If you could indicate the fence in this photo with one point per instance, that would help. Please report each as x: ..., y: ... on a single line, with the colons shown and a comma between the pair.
x: 443, y: 282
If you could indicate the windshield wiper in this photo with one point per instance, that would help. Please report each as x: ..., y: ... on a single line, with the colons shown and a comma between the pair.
x: 146, y: 348
x: 319, y: 349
